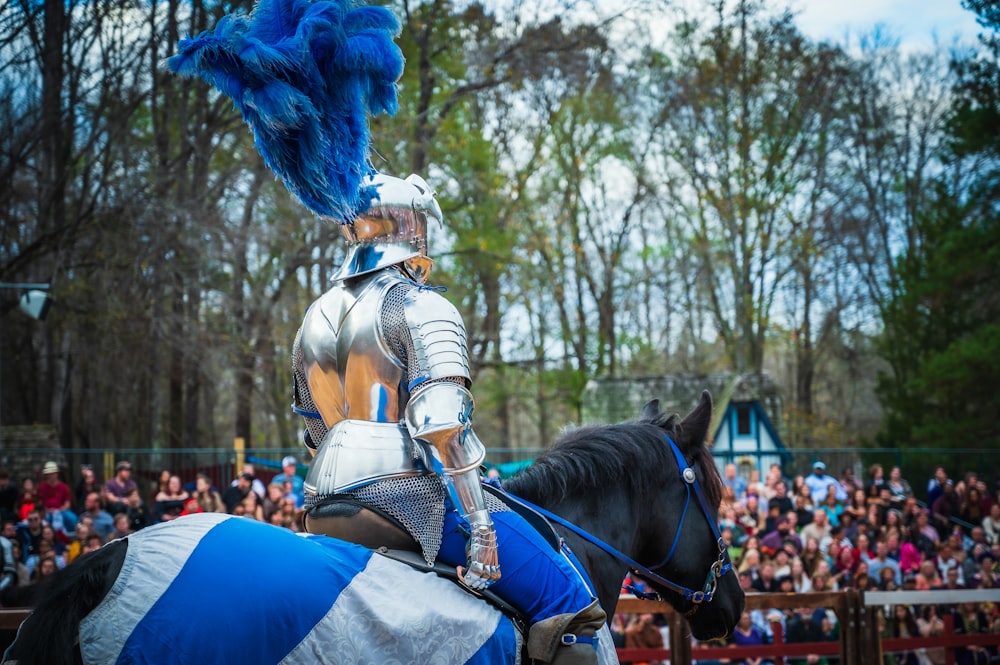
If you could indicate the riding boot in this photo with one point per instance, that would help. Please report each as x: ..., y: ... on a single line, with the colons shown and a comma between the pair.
x: 567, y: 639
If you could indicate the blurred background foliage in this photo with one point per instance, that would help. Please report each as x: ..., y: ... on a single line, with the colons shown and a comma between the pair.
x: 629, y: 191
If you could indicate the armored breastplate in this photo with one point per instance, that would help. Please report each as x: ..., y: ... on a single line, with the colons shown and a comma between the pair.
x: 350, y: 373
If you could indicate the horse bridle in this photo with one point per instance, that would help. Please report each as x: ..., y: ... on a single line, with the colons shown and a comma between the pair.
x: 719, y: 567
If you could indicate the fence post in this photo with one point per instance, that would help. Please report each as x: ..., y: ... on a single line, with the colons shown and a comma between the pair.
x: 239, y: 445
x: 870, y: 641
x: 680, y: 640
x: 848, y: 618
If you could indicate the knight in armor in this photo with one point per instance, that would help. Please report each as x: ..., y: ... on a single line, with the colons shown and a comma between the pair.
x: 381, y: 362
x: 382, y: 381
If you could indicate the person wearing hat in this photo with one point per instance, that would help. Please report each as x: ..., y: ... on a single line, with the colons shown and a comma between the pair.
x: 289, y: 464
x: 117, y: 487
x: 820, y: 484
x: 55, y: 497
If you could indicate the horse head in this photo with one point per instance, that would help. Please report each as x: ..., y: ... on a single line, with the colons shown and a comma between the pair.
x: 643, y: 496
x: 693, y: 572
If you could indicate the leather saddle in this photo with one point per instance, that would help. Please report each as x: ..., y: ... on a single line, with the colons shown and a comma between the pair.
x: 347, y: 519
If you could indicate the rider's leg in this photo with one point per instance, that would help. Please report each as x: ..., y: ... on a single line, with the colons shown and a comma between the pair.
x: 540, y: 583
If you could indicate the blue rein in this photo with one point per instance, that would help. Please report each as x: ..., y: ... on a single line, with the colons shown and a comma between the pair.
x: 720, y: 567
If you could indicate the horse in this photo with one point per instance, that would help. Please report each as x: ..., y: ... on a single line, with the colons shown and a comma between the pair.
x: 216, y: 588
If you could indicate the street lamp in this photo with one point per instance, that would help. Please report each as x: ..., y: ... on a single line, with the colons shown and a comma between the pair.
x: 35, y: 303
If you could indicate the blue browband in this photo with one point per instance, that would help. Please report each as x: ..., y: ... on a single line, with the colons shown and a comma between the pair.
x: 720, y: 567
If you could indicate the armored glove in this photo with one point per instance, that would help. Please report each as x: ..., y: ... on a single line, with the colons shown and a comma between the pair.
x: 484, y: 567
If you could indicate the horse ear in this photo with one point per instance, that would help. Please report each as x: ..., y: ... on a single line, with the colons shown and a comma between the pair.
x: 651, y: 410
x: 697, y: 423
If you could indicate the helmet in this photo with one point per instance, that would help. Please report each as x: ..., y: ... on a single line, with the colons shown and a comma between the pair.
x: 393, y: 230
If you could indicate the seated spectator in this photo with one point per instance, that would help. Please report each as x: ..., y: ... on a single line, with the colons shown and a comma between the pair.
x: 757, y: 488
x: 899, y: 488
x: 970, y: 508
x: 46, y: 552
x: 780, y: 499
x: 123, y: 527
x: 87, y: 483
x: 862, y: 550
x: 984, y: 577
x: 766, y: 581
x: 747, y: 634
x: 947, y: 505
x: 945, y: 560
x: 236, y: 492
x: 29, y: 532
x: 909, y: 559
x: 289, y: 474
x: 903, y: 624
x: 139, y: 514
x: 928, y: 577
x: 56, y: 499
x: 844, y: 568
x: 924, y: 536
x: 775, y: 540
x: 730, y: 478
x: 863, y: 582
x: 810, y: 555
x: 782, y: 562
x: 22, y: 574
x: 169, y: 503
x: 272, y: 501
x: 252, y: 506
x: 883, y: 562
x: 819, y: 529
x: 117, y: 487
x: 27, y: 500
x: 953, y: 579
x: 930, y: 624
x: 799, y: 576
x: 103, y: 522
x: 191, y: 507
x: 807, y: 625
x: 886, y: 581
x: 751, y: 562
x: 642, y: 633
x: 208, y: 497
x: 876, y: 481
x: 255, y: 483
x: 820, y: 484
x: 935, y: 485
x: 76, y: 545
x: 991, y: 524
x: 970, y: 620
x: 46, y: 568
x: 93, y: 543
x: 833, y: 508
x: 850, y: 483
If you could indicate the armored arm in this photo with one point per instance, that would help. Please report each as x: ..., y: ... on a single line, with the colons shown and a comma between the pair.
x: 438, y: 415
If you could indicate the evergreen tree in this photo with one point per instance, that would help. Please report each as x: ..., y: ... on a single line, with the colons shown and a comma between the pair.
x: 942, y: 334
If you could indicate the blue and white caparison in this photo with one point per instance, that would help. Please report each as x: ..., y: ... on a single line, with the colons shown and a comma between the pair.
x: 339, y: 598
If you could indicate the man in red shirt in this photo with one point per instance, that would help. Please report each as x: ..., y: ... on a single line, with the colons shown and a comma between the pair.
x: 54, y: 496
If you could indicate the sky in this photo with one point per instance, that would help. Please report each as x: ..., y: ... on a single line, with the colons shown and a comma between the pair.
x: 913, y: 22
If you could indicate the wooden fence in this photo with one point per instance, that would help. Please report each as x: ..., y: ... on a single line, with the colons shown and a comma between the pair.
x: 859, y: 643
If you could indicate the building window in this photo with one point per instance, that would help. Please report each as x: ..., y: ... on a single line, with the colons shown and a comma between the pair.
x: 743, y: 420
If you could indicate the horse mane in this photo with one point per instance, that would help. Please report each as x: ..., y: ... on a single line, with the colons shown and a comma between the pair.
x: 593, y: 458
x: 64, y: 599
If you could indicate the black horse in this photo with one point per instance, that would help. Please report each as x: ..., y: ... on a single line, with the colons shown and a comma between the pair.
x: 648, y: 491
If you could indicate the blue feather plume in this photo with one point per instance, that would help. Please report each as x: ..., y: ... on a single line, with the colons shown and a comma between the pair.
x: 305, y: 74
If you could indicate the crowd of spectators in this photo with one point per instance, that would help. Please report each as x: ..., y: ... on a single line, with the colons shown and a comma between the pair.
x: 45, y: 525
x: 827, y: 532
